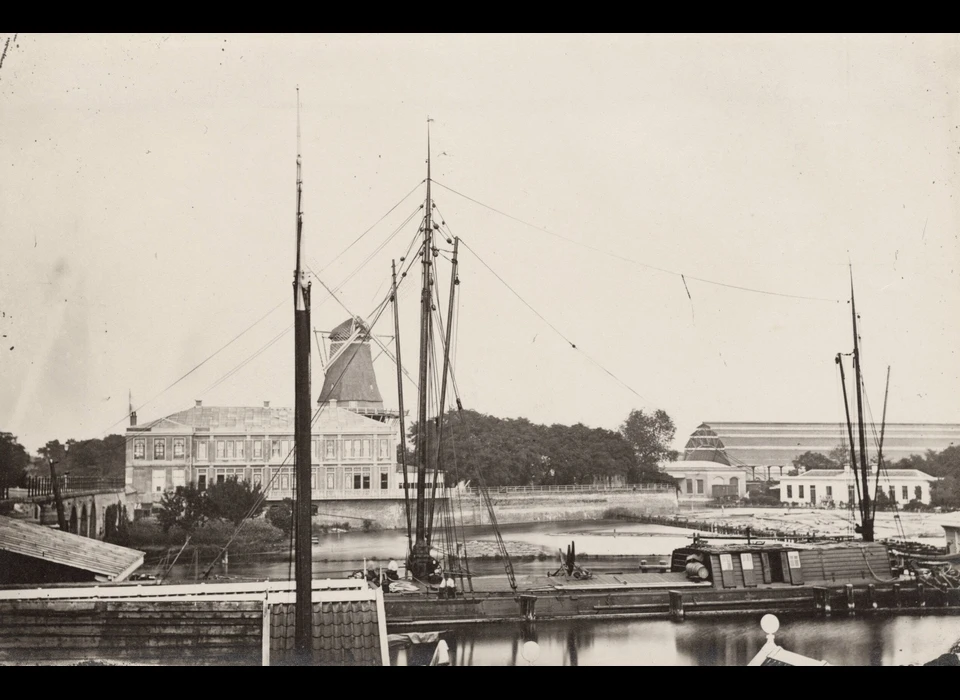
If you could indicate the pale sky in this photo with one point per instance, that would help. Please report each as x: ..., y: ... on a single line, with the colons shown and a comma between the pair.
x: 147, y: 200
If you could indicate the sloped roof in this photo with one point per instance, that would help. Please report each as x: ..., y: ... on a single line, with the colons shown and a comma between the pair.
x: 771, y: 654
x: 885, y: 474
x: 350, y: 377
x: 778, y: 444
x: 40, y: 542
x: 344, y: 633
x: 240, y: 419
x: 702, y: 465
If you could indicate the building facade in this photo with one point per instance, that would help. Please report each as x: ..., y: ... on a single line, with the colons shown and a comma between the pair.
x: 821, y: 487
x: 354, y: 441
x: 702, y: 481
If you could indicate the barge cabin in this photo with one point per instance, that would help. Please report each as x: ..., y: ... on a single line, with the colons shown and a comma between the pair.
x: 732, y: 566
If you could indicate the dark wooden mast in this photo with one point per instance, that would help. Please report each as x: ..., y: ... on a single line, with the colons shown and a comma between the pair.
x: 866, y: 526
x: 454, y: 281
x: 303, y: 636
x: 419, y: 563
x: 403, y: 432
x: 853, y: 447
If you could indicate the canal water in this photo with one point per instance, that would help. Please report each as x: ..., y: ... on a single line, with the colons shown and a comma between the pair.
x: 869, y: 640
x: 857, y: 641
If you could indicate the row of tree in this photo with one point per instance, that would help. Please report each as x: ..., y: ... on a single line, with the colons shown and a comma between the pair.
x: 516, y: 452
x: 103, y: 458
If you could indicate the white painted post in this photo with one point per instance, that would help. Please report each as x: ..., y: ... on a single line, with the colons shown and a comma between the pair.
x: 382, y: 628
x: 265, y: 641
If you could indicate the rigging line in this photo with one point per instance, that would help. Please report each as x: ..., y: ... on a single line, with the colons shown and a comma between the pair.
x: 570, y: 342
x: 383, y: 347
x: 373, y: 254
x: 316, y: 415
x: 201, y: 364
x: 279, y: 304
x: 247, y: 361
x: 357, y: 239
x: 637, y: 262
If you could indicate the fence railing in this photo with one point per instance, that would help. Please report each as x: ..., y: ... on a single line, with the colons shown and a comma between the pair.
x: 591, y: 488
x: 40, y: 486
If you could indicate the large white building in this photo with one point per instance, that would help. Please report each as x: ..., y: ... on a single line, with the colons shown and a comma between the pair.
x: 354, y: 439
x: 702, y: 481
x: 825, y: 486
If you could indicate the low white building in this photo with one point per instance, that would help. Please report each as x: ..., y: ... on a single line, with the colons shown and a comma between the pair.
x: 704, y: 481
x: 952, y: 531
x: 824, y: 486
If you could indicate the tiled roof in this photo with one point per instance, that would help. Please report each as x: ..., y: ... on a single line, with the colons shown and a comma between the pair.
x: 40, y: 542
x: 241, y: 419
x: 344, y: 633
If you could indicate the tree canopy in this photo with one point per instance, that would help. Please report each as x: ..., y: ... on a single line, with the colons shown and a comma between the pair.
x: 14, y: 459
x: 815, y: 460
x: 95, y: 457
x: 650, y: 437
x: 188, y: 507
x: 517, y: 452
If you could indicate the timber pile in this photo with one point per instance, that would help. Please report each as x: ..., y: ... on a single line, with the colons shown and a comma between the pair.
x: 479, y: 549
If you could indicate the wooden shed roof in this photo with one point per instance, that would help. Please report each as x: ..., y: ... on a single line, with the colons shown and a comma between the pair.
x: 40, y: 542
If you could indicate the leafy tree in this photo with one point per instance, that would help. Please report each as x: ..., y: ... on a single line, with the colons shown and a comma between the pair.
x: 839, y: 455
x: 105, y: 458
x: 14, y: 459
x: 234, y: 500
x: 815, y: 460
x: 281, y: 516
x: 187, y: 508
x: 516, y: 452
x: 650, y: 437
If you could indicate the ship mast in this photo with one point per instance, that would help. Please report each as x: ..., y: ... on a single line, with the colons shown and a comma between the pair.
x: 303, y: 636
x: 866, y: 528
x: 420, y: 554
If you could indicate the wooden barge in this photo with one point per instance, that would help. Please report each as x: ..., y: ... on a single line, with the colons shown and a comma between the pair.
x: 704, y: 579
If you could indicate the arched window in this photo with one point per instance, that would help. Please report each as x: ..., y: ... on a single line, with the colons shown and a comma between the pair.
x: 74, y: 525
x: 94, y: 525
x: 84, y: 522
x: 735, y: 483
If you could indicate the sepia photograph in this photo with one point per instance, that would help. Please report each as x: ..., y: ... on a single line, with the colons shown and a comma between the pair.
x: 479, y: 350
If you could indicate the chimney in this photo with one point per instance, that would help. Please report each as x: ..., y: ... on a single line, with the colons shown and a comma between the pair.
x: 266, y: 404
x: 199, y: 403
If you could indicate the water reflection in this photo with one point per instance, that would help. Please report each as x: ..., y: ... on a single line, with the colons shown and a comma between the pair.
x: 869, y: 641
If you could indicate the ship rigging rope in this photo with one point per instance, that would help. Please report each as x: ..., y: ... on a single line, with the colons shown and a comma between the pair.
x: 358, y: 238
x: 200, y: 364
x: 277, y: 306
x: 372, y: 255
x: 377, y: 314
x: 863, y: 551
x: 555, y: 329
x: 635, y: 262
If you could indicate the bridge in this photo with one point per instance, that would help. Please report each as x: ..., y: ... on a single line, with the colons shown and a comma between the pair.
x: 85, y: 501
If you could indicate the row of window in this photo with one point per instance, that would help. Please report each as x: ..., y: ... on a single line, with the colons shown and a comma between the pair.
x: 891, y: 492
x: 358, y: 448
